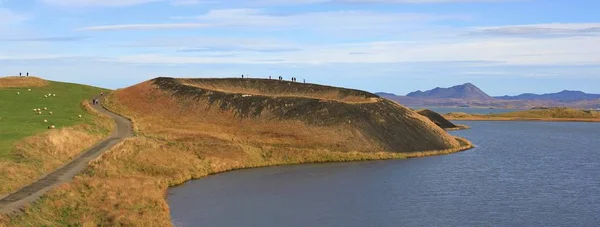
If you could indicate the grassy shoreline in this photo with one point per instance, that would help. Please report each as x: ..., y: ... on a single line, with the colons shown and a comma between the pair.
x: 110, y: 193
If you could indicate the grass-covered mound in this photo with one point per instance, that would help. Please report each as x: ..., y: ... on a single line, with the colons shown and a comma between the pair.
x: 271, y: 120
x: 438, y: 119
x: 28, y: 149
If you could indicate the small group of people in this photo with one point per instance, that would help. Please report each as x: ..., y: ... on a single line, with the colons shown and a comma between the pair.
x: 21, y: 74
x: 96, y: 101
x: 294, y: 79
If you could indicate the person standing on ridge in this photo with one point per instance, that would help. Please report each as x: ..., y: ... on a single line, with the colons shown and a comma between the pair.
x: 27, y: 73
x: 20, y: 74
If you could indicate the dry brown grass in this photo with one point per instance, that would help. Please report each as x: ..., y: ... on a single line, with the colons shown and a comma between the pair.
x: 126, y: 186
x: 332, y: 94
x: 37, y: 155
x: 554, y: 114
x: 16, y: 81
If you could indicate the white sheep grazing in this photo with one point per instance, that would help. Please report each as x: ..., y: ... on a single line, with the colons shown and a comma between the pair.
x: 45, y: 96
x: 51, y: 127
x: 18, y: 93
x: 49, y: 94
x: 50, y: 112
x: 45, y: 121
x: 80, y: 116
x: 39, y: 113
x: 45, y: 108
x: 28, y: 89
x: 34, y: 110
x: 54, y: 95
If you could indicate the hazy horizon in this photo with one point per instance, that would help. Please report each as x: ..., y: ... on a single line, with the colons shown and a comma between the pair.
x: 505, y: 47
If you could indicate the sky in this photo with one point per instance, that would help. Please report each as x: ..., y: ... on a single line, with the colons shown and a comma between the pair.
x: 505, y: 47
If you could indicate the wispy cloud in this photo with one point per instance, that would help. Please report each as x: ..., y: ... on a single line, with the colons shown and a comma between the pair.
x: 165, y: 26
x: 45, y: 39
x: 329, y: 21
x: 239, y: 49
x: 123, y: 3
x: 541, y: 30
x: 96, y: 3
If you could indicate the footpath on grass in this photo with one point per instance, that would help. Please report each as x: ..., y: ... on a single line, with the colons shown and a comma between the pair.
x: 19, y: 199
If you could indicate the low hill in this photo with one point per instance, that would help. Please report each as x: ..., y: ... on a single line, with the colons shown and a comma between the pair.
x: 563, y: 96
x: 438, y: 119
x: 28, y: 149
x: 269, y: 113
x: 465, y: 91
x: 20, y: 81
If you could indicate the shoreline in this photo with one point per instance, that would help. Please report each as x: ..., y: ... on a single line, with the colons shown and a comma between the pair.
x: 45, y: 209
x: 523, y: 119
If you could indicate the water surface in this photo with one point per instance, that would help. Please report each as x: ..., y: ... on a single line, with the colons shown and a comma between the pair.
x: 520, y: 174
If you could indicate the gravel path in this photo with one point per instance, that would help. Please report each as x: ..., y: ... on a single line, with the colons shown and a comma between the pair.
x: 17, y: 200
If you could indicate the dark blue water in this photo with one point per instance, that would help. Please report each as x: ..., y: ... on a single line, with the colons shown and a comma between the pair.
x: 520, y: 174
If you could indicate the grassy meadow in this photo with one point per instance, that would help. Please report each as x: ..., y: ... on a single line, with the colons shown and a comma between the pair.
x: 20, y: 121
x: 28, y: 149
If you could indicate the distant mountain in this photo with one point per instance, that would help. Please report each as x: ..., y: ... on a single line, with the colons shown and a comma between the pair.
x: 466, y: 91
x: 563, y: 96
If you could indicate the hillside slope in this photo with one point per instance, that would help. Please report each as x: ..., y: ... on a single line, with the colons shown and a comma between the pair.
x: 280, y: 113
x: 28, y: 149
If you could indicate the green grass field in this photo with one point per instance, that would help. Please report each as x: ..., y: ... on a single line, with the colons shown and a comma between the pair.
x: 18, y: 120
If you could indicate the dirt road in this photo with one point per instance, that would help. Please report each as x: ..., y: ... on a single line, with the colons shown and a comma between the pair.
x: 19, y: 199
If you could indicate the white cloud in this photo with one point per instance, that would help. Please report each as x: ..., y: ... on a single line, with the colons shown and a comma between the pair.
x: 144, y: 27
x: 323, y: 21
x: 556, y: 29
x: 97, y: 3
x: 495, y: 51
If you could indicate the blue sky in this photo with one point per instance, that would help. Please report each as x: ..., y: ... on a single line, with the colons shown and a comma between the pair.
x: 502, y: 46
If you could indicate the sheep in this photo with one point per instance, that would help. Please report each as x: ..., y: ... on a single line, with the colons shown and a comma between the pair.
x: 53, y: 95
x: 45, y: 96
x: 45, y: 121
x: 18, y: 93
x: 50, y: 112
x: 39, y: 113
x: 29, y: 89
x: 45, y: 108
x: 51, y: 127
x: 80, y: 116
x: 34, y: 110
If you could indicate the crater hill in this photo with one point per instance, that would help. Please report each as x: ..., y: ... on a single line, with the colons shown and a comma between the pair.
x: 438, y: 119
x: 243, y: 114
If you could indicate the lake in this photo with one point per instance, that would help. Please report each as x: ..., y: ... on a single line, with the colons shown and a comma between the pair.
x: 520, y: 174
